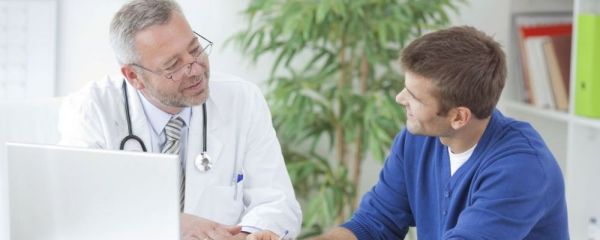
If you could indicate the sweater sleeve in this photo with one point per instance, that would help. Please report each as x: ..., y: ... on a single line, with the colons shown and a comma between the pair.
x: 384, y: 212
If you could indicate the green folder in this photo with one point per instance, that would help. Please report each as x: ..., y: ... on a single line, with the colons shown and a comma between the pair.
x: 587, y: 83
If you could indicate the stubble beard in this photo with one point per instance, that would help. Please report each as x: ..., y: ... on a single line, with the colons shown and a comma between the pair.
x: 178, y: 99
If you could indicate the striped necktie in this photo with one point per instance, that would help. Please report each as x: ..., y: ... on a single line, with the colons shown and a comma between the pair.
x: 173, y: 133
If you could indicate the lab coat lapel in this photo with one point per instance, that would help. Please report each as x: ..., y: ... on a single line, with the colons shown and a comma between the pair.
x: 139, y: 123
x: 215, y: 144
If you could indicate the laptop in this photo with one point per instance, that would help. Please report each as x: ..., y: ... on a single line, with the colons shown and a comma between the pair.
x: 69, y: 193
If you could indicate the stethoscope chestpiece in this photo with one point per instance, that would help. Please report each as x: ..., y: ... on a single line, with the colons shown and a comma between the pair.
x: 203, y: 162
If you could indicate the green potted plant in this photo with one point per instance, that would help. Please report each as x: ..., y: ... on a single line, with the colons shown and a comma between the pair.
x: 332, y: 88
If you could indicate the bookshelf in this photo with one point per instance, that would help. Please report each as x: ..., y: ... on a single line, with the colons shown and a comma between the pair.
x: 573, y: 139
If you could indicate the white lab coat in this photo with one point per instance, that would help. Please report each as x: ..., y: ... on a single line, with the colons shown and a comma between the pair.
x: 239, y: 129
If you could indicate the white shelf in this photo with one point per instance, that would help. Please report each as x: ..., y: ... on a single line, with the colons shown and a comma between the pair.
x: 533, y: 110
x: 551, y: 114
x: 588, y: 122
x: 548, y: 114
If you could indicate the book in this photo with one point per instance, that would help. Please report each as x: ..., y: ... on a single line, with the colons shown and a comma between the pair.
x: 562, y: 49
x: 538, y: 72
x: 558, y: 54
x: 533, y: 31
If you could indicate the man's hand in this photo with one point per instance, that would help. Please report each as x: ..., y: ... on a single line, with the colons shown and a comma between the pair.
x: 263, y: 235
x: 197, y: 228
x: 336, y: 233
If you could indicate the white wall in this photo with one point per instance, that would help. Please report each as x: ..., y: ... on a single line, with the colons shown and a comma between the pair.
x: 83, y: 49
x: 490, y: 16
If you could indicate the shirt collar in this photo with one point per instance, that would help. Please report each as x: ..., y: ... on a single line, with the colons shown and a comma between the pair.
x: 158, y: 118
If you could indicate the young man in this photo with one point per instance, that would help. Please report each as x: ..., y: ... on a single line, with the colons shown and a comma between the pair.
x: 460, y: 169
x: 234, y: 173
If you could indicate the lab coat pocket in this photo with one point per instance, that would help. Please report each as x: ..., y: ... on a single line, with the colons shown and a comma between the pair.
x: 220, y: 204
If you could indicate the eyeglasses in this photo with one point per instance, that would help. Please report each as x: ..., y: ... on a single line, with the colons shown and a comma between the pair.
x: 186, y: 69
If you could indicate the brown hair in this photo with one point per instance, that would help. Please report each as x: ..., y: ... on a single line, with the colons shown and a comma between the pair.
x: 467, y: 67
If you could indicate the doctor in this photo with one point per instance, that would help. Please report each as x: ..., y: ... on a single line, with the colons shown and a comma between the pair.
x: 168, y: 101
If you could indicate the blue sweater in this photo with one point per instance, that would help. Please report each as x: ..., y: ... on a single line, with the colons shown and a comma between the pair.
x: 510, y: 188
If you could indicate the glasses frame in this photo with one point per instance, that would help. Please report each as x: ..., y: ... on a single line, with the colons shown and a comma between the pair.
x: 169, y: 75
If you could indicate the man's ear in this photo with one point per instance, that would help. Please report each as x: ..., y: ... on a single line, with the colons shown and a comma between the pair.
x: 132, y: 77
x: 460, y: 116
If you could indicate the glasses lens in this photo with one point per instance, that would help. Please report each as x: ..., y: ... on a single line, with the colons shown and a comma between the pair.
x: 207, y: 49
x: 200, y: 56
x: 179, y: 73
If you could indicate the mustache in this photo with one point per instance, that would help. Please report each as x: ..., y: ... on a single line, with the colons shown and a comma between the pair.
x: 195, y: 79
x: 198, y: 78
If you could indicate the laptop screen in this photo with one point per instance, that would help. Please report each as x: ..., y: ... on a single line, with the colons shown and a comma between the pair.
x: 66, y: 193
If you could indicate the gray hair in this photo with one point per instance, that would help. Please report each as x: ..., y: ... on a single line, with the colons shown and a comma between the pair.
x: 134, y: 17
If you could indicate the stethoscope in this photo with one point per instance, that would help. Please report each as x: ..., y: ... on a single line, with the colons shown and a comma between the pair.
x: 202, y: 162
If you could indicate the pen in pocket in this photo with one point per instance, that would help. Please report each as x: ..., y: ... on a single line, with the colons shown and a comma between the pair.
x: 239, y: 177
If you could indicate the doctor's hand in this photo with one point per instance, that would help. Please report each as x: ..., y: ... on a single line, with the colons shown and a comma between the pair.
x: 263, y: 235
x: 197, y: 228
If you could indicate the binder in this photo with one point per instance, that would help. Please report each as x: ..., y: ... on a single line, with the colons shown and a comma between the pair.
x: 587, y: 83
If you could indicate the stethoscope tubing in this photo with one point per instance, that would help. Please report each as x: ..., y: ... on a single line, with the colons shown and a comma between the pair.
x: 132, y: 136
x: 202, y: 162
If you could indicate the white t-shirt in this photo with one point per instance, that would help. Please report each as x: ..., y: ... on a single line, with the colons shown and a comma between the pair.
x: 457, y: 160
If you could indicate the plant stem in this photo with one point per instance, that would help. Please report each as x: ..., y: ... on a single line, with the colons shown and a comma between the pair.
x: 358, y: 141
x: 339, y: 128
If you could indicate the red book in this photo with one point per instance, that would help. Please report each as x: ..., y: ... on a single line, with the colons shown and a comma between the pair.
x: 535, y: 26
x: 547, y: 30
